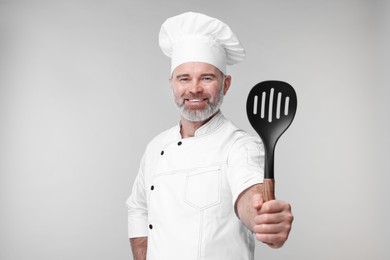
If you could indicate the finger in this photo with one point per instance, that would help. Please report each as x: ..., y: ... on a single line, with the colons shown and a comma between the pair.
x: 270, y: 228
x: 257, y: 200
x: 273, y: 240
x: 274, y: 206
x: 272, y: 218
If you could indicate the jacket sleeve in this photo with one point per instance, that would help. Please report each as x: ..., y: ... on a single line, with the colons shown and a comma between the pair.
x: 245, y: 164
x: 137, y: 206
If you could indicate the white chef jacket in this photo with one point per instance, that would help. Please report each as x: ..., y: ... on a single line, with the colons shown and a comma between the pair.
x: 184, y: 194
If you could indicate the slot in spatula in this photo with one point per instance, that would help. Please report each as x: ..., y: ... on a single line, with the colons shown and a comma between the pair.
x: 271, y: 107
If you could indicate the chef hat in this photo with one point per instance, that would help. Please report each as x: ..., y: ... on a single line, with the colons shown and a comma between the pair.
x: 195, y: 37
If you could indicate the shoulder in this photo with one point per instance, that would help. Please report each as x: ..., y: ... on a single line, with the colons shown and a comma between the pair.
x: 243, y: 144
x: 242, y: 138
x: 159, y: 140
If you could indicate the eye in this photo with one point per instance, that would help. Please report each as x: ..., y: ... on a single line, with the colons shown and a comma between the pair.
x: 207, y: 78
x: 184, y: 79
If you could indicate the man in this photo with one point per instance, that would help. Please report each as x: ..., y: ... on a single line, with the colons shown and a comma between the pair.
x: 198, y: 191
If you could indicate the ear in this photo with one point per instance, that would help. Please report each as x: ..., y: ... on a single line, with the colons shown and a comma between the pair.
x: 226, y: 84
x: 170, y: 81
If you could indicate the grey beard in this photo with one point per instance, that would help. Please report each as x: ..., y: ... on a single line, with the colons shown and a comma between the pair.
x: 196, y: 115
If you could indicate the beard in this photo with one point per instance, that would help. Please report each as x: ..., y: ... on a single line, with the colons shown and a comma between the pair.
x: 200, y: 114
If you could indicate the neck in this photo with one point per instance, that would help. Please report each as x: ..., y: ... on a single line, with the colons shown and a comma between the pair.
x: 188, y: 128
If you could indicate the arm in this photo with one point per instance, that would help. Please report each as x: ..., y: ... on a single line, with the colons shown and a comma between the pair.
x: 270, y: 221
x: 138, y: 216
x: 139, y: 246
x: 245, y: 210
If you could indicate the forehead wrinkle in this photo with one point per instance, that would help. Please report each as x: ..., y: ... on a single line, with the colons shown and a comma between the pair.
x: 206, y: 74
x: 195, y: 68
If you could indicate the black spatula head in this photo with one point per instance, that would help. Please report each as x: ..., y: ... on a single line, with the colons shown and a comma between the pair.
x: 271, y: 107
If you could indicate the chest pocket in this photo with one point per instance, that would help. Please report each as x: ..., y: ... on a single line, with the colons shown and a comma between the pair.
x: 203, y: 187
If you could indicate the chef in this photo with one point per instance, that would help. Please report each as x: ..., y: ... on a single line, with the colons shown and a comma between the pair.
x: 197, y: 192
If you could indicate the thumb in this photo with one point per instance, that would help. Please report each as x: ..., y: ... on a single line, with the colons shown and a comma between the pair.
x: 257, y: 200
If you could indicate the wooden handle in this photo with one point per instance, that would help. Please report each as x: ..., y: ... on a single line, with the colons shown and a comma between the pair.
x: 268, y: 189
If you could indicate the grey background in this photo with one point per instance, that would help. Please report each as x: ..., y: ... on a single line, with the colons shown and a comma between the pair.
x: 84, y: 87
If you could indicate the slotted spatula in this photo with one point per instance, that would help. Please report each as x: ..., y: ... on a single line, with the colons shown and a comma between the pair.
x: 271, y: 107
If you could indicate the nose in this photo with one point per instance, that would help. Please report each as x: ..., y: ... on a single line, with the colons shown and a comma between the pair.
x: 195, y: 87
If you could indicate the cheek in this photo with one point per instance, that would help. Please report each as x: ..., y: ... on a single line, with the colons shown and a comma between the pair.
x: 217, y: 91
x: 174, y: 89
x: 177, y: 93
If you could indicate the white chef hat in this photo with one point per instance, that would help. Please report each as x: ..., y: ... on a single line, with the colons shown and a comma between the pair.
x: 195, y: 37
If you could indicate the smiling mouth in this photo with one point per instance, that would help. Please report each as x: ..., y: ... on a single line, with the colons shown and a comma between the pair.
x: 196, y: 103
x: 195, y: 100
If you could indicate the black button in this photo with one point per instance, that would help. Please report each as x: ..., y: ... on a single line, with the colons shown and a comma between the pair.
x: 162, y: 152
x: 179, y: 143
x: 150, y: 226
x: 152, y: 187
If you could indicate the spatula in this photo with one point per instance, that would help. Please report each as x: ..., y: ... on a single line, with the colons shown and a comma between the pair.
x: 271, y: 107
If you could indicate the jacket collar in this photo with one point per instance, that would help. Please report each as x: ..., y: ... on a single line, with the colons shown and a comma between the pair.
x: 213, y: 124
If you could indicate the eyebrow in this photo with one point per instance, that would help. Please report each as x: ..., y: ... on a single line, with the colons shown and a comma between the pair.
x: 182, y: 76
x: 203, y: 75
x: 209, y: 75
